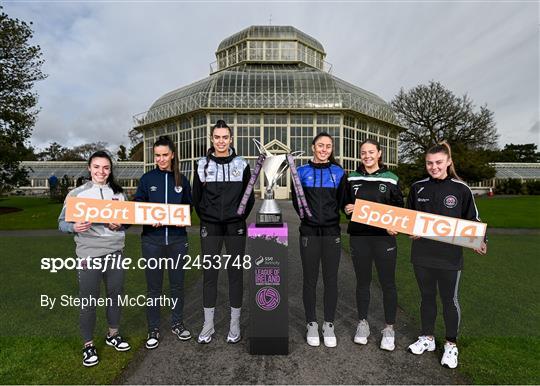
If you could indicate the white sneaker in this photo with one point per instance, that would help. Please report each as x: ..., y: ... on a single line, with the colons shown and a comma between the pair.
x: 205, y: 336
x: 388, y: 339
x: 234, y: 335
x: 422, y: 344
x: 449, y: 358
x: 312, y: 334
x: 362, y: 332
x: 329, y: 337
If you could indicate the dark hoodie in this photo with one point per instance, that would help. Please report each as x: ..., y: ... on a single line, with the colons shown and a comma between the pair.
x: 218, y: 186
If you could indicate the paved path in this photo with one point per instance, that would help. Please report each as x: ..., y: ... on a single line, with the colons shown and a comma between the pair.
x: 221, y: 363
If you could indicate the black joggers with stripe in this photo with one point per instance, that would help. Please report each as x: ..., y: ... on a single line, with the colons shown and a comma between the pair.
x: 448, y: 282
x: 320, y: 245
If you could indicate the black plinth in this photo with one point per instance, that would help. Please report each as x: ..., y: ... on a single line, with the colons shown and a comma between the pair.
x: 268, y: 300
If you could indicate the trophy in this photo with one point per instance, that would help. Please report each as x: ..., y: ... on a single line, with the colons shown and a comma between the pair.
x: 269, y: 215
x: 268, y: 241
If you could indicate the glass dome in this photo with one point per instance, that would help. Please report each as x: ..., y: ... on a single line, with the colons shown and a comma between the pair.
x: 270, y: 83
x: 269, y: 86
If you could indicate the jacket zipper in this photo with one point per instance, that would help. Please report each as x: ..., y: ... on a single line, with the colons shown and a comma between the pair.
x: 166, y: 202
x: 320, y: 197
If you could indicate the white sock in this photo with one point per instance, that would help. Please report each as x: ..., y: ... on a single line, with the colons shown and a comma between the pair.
x: 209, y: 316
x: 235, y: 313
x: 235, y: 320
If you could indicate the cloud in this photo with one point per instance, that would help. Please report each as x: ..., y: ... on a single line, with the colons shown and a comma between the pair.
x: 109, y: 61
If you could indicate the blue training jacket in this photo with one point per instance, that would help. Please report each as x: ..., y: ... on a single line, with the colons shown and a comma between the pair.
x: 159, y: 186
x: 324, y: 188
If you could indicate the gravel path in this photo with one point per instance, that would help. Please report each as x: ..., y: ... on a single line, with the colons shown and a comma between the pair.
x: 176, y: 362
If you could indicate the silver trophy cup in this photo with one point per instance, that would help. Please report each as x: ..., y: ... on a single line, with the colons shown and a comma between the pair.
x: 274, y: 166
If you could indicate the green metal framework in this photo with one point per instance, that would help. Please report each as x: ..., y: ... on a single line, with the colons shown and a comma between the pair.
x: 270, y: 83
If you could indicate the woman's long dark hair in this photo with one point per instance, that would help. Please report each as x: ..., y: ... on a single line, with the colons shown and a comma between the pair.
x: 166, y: 141
x: 116, y: 188
x: 331, y: 158
x: 372, y: 141
x: 444, y: 147
x: 220, y: 124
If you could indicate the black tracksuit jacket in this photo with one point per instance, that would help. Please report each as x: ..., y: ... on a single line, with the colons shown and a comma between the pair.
x: 449, y: 197
x: 218, y: 186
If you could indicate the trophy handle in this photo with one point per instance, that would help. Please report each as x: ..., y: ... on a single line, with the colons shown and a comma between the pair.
x: 261, y: 148
x: 279, y: 174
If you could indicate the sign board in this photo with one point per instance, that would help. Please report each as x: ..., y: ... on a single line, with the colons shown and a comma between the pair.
x: 451, y: 230
x: 126, y: 212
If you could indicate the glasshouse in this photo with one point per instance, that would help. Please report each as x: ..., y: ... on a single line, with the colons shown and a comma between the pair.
x: 270, y: 83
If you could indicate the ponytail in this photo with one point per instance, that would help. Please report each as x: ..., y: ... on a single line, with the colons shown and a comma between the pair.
x: 444, y: 147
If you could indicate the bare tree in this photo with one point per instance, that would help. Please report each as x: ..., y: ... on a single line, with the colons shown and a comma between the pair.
x: 432, y: 113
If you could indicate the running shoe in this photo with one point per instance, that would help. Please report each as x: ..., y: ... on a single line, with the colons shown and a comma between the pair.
x: 234, y: 335
x: 152, y: 340
x: 450, y: 356
x: 422, y: 344
x: 388, y: 339
x: 329, y: 337
x: 117, y: 342
x: 312, y: 334
x: 90, y: 357
x: 205, y: 335
x: 362, y: 332
x: 180, y: 331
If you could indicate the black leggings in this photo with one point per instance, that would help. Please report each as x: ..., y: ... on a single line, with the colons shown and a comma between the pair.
x: 448, y: 282
x: 213, y: 236
x: 381, y: 250
x: 320, y: 245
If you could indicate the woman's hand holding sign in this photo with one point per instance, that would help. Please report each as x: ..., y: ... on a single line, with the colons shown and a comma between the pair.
x: 113, y: 226
x: 483, y: 249
x: 79, y: 227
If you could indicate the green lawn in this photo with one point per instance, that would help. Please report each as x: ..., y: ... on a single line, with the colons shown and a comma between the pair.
x: 38, y: 213
x: 499, y: 338
x: 43, y: 346
x: 510, y: 211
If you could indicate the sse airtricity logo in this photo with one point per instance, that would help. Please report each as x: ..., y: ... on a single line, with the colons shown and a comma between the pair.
x: 450, y: 201
x: 267, y: 298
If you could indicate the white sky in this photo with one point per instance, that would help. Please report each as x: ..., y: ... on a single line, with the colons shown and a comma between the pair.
x: 108, y: 61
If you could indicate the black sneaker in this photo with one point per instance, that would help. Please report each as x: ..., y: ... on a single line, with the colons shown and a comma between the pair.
x: 152, y: 341
x: 180, y: 331
x: 90, y: 357
x: 117, y: 342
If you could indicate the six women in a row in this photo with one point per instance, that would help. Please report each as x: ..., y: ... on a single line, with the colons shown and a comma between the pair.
x: 218, y: 185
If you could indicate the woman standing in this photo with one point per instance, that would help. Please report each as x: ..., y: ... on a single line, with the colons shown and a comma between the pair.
x: 218, y: 185
x: 438, y: 264
x: 96, y: 242
x: 323, y: 181
x: 164, y: 184
x: 372, y: 181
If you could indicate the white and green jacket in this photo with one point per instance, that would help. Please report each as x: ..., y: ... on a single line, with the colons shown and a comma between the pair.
x: 99, y: 240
